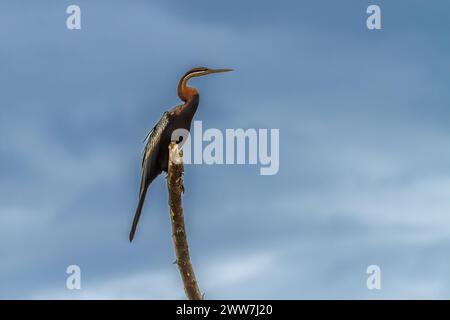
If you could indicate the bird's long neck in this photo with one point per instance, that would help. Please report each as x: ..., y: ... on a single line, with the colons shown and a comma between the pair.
x: 184, y: 92
x: 189, y: 95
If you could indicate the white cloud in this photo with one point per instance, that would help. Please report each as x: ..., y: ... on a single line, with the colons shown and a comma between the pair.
x: 229, y: 273
x: 155, y: 284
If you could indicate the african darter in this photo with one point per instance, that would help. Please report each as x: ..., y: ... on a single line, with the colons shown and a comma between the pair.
x: 156, y: 152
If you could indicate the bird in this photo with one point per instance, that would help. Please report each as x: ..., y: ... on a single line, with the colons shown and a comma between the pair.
x: 156, y: 151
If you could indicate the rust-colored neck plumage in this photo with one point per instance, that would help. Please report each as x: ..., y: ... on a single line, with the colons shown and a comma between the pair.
x: 184, y: 92
x: 189, y: 95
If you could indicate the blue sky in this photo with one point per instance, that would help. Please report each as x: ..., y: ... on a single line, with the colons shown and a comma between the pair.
x: 364, y: 148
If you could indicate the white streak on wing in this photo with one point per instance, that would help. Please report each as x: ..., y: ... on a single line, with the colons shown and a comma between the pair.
x: 155, y: 136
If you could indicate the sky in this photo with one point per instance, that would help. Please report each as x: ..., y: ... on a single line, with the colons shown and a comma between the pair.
x: 364, y: 174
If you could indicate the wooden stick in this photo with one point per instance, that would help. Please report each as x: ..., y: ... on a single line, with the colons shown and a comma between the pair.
x: 176, y: 188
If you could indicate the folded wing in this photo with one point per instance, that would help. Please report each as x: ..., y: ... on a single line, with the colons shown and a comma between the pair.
x: 150, y: 166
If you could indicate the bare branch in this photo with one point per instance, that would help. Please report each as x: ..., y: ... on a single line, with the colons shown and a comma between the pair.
x: 176, y: 188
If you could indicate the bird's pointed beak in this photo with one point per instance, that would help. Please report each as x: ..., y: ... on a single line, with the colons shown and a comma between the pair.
x: 219, y: 70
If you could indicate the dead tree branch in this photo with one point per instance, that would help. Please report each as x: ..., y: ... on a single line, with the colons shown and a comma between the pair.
x: 176, y: 188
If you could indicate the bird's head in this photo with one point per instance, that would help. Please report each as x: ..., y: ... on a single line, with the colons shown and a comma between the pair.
x: 202, y: 71
x: 185, y: 92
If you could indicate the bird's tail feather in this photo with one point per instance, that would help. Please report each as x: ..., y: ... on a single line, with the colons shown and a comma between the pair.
x: 137, y: 215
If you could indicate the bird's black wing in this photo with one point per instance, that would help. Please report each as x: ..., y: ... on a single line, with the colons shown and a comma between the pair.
x: 149, y: 165
x: 154, y: 138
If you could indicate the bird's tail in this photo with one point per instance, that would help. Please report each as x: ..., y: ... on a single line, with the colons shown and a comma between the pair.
x: 137, y: 215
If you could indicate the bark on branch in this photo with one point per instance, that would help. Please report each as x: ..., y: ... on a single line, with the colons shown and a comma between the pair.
x: 176, y: 188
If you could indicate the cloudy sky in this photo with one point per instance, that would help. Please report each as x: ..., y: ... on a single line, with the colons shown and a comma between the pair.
x: 364, y: 173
